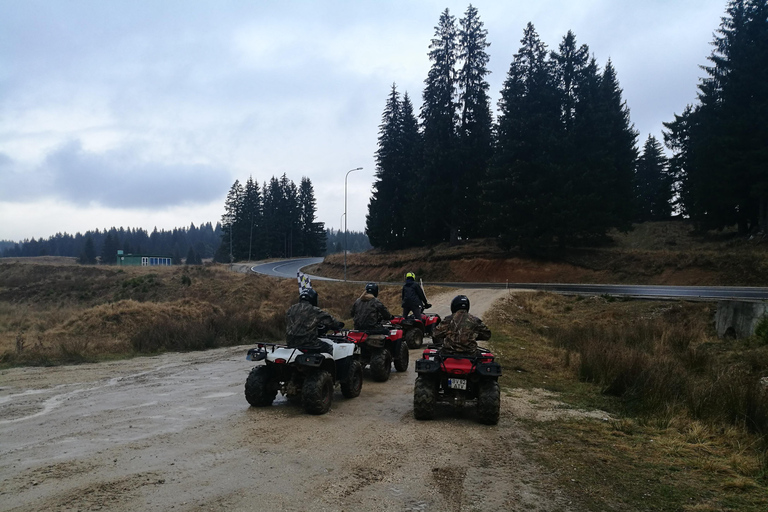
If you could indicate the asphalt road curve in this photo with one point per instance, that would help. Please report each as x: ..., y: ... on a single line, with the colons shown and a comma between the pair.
x: 289, y: 268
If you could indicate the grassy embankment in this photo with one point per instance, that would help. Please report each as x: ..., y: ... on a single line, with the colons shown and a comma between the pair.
x: 66, y: 313
x: 661, y: 253
x: 687, y: 419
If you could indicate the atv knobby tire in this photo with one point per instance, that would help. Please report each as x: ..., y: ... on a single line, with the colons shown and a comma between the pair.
x: 317, y: 393
x: 488, y: 402
x: 424, y: 397
x: 401, y: 361
x: 381, y: 362
x: 260, y: 390
x: 414, y: 337
x: 353, y: 384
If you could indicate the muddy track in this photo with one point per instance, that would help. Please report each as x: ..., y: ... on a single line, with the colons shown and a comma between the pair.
x: 174, y: 432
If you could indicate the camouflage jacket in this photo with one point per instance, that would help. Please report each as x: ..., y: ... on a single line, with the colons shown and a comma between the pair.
x: 302, y: 322
x: 460, y: 331
x: 368, y: 312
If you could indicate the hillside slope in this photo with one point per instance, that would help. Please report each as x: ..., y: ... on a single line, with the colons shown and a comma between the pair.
x: 661, y: 253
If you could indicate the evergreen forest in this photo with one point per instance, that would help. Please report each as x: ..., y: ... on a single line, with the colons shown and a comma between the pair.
x: 560, y: 164
x: 200, y: 242
x: 275, y: 220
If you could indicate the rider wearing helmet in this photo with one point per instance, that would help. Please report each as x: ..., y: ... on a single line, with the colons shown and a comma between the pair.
x: 303, y: 320
x: 459, y: 331
x: 368, y: 311
x: 413, y: 298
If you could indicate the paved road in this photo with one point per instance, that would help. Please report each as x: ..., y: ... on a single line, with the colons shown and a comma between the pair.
x: 289, y: 268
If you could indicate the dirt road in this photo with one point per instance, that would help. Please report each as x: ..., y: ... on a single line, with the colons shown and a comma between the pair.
x: 174, y: 432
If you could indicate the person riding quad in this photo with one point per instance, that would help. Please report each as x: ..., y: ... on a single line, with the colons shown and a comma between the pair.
x: 368, y: 312
x: 413, y: 297
x: 303, y: 320
x: 459, y: 331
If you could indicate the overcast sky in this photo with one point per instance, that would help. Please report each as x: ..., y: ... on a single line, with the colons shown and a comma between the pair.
x: 142, y: 113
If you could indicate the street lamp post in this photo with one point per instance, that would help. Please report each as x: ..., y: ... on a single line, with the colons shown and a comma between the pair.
x: 345, y: 219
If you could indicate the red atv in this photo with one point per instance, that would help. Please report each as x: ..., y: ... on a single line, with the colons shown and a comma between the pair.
x: 414, y: 329
x: 456, y: 379
x: 379, y: 351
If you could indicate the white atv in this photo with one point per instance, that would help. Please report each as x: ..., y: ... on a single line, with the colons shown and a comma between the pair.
x: 305, y: 373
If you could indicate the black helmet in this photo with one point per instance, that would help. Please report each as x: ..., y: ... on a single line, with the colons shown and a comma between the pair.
x: 309, y: 295
x: 460, y: 302
x: 373, y: 289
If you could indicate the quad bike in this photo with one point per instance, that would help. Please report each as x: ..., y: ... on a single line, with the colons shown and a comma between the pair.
x: 379, y: 351
x: 457, y: 379
x: 308, y: 374
x: 414, y: 329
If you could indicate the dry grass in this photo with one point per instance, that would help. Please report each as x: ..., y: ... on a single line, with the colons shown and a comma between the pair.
x: 687, y: 427
x: 69, y: 313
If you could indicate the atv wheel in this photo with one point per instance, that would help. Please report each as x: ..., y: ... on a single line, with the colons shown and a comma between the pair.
x: 352, y: 386
x: 401, y: 361
x: 381, y: 362
x: 488, y: 402
x: 259, y: 387
x: 317, y: 393
x: 424, y: 398
x: 414, y: 337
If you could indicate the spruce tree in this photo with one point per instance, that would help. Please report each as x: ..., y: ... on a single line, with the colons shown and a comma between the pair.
x: 252, y: 219
x: 313, y: 236
x: 439, y: 122
x: 88, y: 256
x: 619, y: 138
x: 475, y: 126
x: 653, y: 183
x: 109, y: 250
x: 385, y: 221
x: 230, y: 221
x: 720, y: 143
x: 521, y: 191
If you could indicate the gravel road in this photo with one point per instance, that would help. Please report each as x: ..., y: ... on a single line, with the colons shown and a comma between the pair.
x: 174, y: 432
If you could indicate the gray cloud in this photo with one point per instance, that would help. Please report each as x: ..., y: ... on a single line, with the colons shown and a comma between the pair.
x: 120, y: 179
x: 145, y: 104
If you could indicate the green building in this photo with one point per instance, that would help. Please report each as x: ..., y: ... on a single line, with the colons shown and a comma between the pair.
x: 142, y: 260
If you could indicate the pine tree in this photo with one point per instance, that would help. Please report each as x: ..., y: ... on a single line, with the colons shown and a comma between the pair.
x: 521, y: 193
x: 88, y: 256
x: 312, y: 238
x: 720, y: 143
x: 439, y: 122
x: 252, y: 219
x: 653, y: 183
x: 475, y: 128
x: 385, y: 224
x: 619, y: 139
x: 232, y: 217
x: 109, y: 250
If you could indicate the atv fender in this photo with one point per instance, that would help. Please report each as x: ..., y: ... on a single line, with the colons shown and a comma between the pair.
x: 427, y: 366
x: 342, y: 350
x: 342, y: 367
x: 491, y: 369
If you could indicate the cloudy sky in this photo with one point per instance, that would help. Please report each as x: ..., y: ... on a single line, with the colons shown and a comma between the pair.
x: 143, y: 113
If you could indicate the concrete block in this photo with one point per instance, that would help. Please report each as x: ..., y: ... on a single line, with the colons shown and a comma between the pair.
x: 738, y: 319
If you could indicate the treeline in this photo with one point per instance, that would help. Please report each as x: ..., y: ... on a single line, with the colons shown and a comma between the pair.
x: 201, y: 242
x: 560, y: 164
x: 356, y: 241
x: 276, y: 220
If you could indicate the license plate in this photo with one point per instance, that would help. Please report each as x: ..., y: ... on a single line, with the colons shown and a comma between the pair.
x: 457, y: 383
